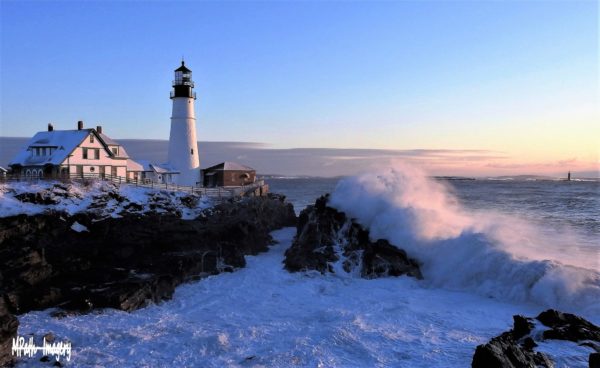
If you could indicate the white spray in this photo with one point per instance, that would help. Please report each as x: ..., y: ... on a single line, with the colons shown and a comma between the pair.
x: 489, y: 253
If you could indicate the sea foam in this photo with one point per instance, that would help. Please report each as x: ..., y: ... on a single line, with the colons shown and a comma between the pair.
x: 490, y: 253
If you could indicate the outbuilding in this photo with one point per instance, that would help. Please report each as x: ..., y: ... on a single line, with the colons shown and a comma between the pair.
x: 228, y: 174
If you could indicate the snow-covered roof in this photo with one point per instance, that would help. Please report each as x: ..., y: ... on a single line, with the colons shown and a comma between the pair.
x: 3, y: 169
x: 157, y: 168
x: 228, y: 165
x: 64, y: 142
x: 110, y: 142
x: 135, y: 166
x: 145, y: 164
x: 163, y: 169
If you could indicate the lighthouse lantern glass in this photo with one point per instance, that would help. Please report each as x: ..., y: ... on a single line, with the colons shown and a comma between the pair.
x: 183, y: 78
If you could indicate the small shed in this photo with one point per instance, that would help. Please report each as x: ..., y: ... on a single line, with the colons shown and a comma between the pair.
x: 228, y: 174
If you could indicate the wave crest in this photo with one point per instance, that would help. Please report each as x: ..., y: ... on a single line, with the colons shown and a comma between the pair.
x: 483, y: 251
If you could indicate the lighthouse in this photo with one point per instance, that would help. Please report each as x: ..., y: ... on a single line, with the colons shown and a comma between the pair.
x: 183, y: 145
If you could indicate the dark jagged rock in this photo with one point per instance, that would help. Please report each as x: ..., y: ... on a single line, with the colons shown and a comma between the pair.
x: 324, y: 235
x: 8, y: 330
x: 382, y: 259
x: 130, y: 261
x: 594, y: 360
x: 505, y: 351
x: 515, y: 348
x: 566, y: 326
x: 522, y: 326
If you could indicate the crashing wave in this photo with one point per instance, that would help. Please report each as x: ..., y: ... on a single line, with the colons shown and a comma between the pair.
x: 486, y: 252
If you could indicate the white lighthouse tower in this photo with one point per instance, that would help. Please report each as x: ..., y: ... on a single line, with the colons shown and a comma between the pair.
x: 183, y: 146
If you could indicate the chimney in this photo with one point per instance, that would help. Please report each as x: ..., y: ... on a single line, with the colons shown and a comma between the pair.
x: 99, y: 129
x: 50, y: 127
x: 80, y: 125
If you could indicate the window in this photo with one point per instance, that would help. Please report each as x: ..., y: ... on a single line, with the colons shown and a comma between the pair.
x: 92, y: 169
x: 115, y: 150
x: 96, y: 154
x: 192, y: 151
x: 85, y: 153
x: 91, y: 138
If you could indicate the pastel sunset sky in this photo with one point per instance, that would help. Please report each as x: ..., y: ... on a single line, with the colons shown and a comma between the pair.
x: 464, y: 88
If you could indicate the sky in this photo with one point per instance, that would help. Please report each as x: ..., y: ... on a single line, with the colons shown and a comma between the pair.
x: 501, y: 87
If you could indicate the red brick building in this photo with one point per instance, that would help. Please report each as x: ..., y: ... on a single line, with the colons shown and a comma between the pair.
x: 228, y: 174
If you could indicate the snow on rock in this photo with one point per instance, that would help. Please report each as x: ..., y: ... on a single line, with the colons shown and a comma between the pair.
x: 102, y: 198
x: 79, y: 227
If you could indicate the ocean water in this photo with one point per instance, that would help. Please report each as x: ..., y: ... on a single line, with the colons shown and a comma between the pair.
x: 551, y: 204
x: 489, y: 250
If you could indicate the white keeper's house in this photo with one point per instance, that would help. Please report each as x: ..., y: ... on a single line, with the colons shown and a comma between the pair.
x: 77, y: 153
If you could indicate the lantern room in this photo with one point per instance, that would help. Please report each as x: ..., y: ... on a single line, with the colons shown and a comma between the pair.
x: 183, y: 83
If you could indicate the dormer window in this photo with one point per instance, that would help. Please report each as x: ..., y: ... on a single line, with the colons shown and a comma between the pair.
x: 115, y: 150
x: 40, y: 151
x: 91, y: 138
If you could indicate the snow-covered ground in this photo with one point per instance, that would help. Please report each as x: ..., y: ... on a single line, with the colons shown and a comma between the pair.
x: 264, y: 316
x: 102, y: 197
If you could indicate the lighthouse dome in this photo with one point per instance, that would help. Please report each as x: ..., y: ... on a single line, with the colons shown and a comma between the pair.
x: 182, y: 68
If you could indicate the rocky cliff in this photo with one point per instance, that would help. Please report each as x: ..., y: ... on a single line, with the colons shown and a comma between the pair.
x: 94, y: 258
x: 80, y: 262
x: 326, y: 237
